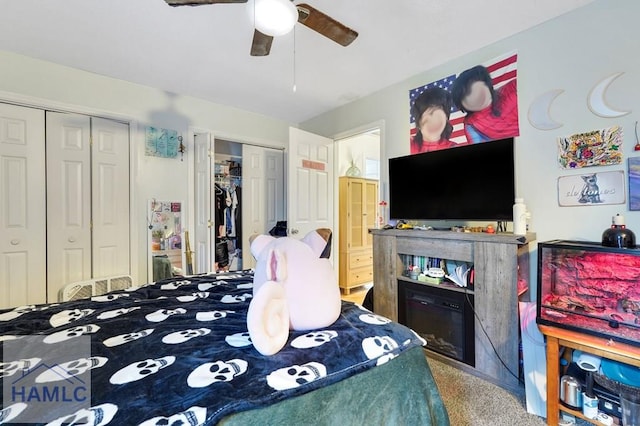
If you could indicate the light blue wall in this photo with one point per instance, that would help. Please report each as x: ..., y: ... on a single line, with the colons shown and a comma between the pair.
x: 572, y: 52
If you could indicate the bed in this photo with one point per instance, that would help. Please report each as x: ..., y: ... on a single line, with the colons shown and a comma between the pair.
x: 177, y: 352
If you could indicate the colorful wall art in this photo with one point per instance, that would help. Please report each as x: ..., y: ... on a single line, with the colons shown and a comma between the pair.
x: 596, y: 148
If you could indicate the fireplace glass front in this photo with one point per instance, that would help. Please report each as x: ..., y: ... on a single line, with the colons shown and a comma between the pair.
x: 444, y: 318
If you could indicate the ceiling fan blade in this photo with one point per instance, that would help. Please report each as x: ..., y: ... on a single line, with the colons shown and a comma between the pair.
x: 261, y: 44
x: 325, y: 25
x: 200, y: 2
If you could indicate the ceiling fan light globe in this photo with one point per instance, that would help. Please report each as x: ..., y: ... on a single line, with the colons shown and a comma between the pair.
x: 275, y: 17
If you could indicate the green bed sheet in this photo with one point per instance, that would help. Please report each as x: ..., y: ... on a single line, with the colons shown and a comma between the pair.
x: 400, y: 392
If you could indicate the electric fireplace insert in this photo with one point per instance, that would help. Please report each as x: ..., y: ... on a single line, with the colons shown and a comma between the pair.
x: 443, y: 317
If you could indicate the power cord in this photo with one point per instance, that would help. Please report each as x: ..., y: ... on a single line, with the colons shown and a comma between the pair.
x: 516, y: 376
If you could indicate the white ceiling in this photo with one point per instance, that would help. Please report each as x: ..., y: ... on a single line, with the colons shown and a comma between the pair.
x: 203, y: 51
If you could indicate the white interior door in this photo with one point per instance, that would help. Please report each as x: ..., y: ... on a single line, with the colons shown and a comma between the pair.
x: 204, y: 237
x: 22, y: 206
x: 310, y: 183
x: 253, y: 199
x: 274, y: 187
x: 68, y: 201
x: 110, y: 198
x: 87, y: 209
x: 262, y: 194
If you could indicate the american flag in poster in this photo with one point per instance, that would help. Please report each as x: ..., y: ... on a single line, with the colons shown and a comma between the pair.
x: 502, y: 70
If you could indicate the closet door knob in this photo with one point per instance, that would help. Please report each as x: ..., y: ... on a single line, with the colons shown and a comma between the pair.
x: 294, y: 231
x: 15, y: 242
x: 71, y: 239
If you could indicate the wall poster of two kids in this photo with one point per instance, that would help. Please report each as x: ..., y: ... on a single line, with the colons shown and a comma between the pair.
x: 480, y: 104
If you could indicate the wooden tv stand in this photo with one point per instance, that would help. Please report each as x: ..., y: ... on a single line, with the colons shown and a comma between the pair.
x: 499, y: 260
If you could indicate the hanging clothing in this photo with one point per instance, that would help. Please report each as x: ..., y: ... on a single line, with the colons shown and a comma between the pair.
x: 220, y: 197
x: 230, y: 216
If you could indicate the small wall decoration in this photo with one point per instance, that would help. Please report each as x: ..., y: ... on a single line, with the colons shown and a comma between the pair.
x: 592, y: 189
x: 597, y: 148
x: 598, y: 104
x: 634, y: 183
x: 161, y: 142
x: 539, y: 111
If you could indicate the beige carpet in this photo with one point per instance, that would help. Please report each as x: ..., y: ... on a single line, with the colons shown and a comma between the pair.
x: 473, y: 401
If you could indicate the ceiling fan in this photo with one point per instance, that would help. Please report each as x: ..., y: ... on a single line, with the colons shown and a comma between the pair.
x: 307, y: 16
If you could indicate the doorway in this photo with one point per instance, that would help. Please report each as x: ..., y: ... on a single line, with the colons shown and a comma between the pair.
x: 239, y: 191
x: 358, y: 175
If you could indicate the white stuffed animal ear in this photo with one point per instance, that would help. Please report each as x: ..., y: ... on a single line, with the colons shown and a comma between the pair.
x: 320, y: 242
x: 276, y: 266
x: 258, y: 243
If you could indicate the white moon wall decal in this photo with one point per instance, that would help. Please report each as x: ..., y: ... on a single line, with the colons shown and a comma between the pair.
x: 596, y: 101
x: 539, y: 111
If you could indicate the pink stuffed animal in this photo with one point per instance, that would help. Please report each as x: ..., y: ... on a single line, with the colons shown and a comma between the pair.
x: 294, y: 287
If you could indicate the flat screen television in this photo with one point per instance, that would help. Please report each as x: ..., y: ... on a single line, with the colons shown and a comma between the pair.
x: 471, y: 182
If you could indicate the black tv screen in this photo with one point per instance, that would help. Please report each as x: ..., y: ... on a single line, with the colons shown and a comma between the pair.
x: 471, y: 182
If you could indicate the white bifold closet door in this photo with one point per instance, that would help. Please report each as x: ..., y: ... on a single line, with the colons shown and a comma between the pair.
x: 22, y: 206
x: 64, y: 202
x: 87, y: 181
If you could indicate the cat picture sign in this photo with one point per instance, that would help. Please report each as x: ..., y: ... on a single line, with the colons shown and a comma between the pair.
x: 592, y: 189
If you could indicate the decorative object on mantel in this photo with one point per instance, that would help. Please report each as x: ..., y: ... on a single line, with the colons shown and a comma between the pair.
x: 636, y: 147
x: 591, y: 189
x: 162, y: 142
x: 596, y: 101
x: 596, y: 148
x: 540, y: 108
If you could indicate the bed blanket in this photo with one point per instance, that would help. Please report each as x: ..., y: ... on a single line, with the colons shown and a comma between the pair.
x: 174, y: 351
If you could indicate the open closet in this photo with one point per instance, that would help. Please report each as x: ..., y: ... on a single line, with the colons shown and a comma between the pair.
x: 239, y: 191
x: 227, y: 206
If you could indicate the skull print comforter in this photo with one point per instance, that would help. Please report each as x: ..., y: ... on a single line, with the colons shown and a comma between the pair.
x: 173, y: 352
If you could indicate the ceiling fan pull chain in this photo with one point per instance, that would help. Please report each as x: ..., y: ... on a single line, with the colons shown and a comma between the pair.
x: 294, y: 60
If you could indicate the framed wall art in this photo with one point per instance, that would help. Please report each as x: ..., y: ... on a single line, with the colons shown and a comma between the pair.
x: 592, y: 189
x: 161, y: 142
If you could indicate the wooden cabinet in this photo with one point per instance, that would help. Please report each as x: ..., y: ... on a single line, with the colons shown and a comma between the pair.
x: 558, y: 338
x: 499, y: 260
x: 358, y: 213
